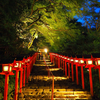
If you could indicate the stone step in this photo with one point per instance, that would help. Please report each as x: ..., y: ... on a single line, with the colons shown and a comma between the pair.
x: 44, y: 77
x: 42, y: 60
x: 45, y: 94
x: 52, y: 65
x: 29, y: 98
x: 62, y: 91
x: 40, y: 85
x: 46, y: 97
x: 58, y: 93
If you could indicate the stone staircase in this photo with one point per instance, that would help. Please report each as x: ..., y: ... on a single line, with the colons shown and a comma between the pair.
x: 40, y: 85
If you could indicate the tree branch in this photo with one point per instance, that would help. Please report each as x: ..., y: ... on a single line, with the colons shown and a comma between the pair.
x: 34, y: 21
x: 32, y: 7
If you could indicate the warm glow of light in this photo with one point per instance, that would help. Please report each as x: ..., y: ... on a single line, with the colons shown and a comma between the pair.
x: 16, y: 65
x: 76, y: 60
x: 71, y: 60
x: 20, y: 65
x: 36, y: 36
x: 54, y: 69
x: 89, y: 61
x: 81, y: 61
x: 10, y: 69
x: 5, y: 68
x: 45, y: 50
x: 98, y: 62
x: 28, y: 59
x: 49, y: 78
x: 68, y: 59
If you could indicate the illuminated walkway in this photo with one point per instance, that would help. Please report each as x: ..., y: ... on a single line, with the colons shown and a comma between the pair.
x: 39, y: 86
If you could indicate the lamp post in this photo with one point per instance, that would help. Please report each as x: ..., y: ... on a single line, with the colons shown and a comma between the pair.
x: 82, y: 63
x: 21, y: 75
x: 97, y: 62
x: 72, y: 61
x: 17, y: 68
x: 96, y: 58
x: 53, y: 58
x: 24, y: 71
x: 6, y: 70
x: 65, y: 58
x: 56, y: 55
x: 58, y: 61
x: 68, y: 60
x: 89, y: 64
x: 76, y: 62
x: 50, y: 56
x: 63, y: 63
x: 27, y: 61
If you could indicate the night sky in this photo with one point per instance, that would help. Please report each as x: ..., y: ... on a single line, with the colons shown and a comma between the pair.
x: 81, y: 19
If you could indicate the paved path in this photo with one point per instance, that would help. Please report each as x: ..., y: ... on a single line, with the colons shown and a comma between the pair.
x: 40, y: 85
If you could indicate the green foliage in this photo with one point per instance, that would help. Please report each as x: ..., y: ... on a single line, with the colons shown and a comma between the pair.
x: 1, y: 86
x: 53, y: 21
x: 95, y: 78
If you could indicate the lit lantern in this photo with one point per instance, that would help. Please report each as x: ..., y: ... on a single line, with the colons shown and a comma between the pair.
x: 89, y: 62
x: 81, y: 61
x: 76, y: 61
x: 97, y: 62
x: 17, y: 68
x: 71, y: 59
x: 65, y: 58
x: 28, y: 60
x: 45, y: 50
x: 18, y: 64
x: 62, y: 57
x: 6, y: 68
x: 68, y: 59
x: 23, y: 63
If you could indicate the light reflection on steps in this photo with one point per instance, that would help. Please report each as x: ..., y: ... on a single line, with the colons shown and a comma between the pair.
x: 40, y: 85
x: 47, y: 78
